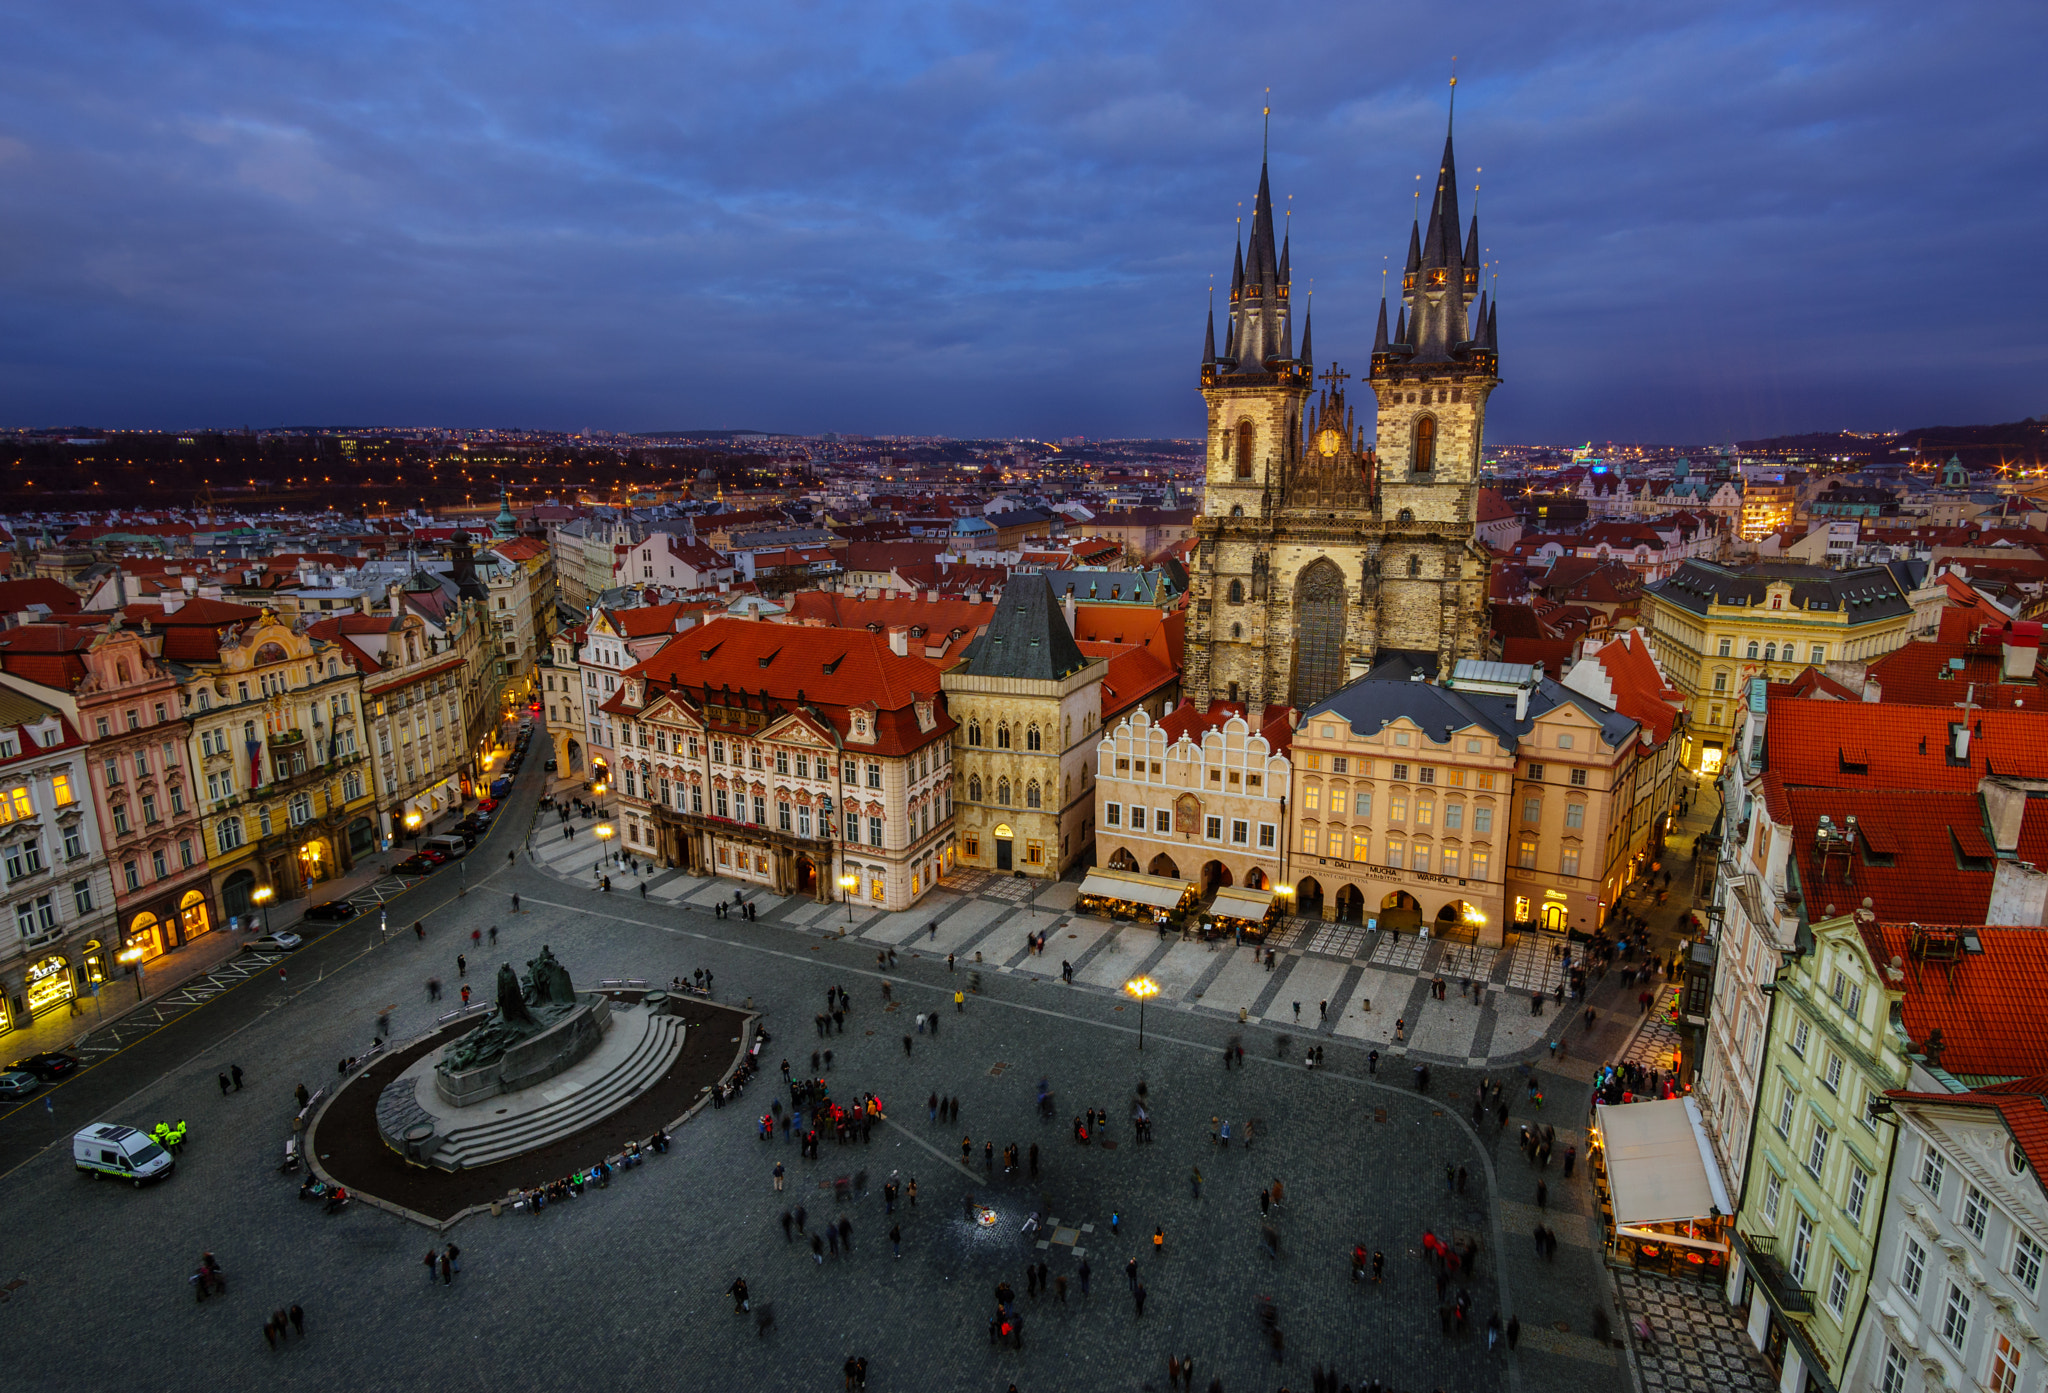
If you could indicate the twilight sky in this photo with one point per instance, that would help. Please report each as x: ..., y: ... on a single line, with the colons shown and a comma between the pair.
x: 1711, y: 221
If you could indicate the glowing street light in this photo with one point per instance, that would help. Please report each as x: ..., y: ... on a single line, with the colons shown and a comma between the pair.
x: 1142, y: 988
x: 132, y: 959
x: 848, y: 883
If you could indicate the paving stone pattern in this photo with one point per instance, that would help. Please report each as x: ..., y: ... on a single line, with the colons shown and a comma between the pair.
x: 1696, y: 1343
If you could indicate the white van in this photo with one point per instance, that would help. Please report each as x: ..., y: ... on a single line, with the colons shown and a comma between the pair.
x: 449, y: 847
x: 107, y: 1148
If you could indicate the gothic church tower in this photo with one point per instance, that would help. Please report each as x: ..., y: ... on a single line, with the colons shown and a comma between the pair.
x: 1319, y: 554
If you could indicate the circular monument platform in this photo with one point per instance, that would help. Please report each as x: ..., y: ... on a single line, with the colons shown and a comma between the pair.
x: 475, y: 1111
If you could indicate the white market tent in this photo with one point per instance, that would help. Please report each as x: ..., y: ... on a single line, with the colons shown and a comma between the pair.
x: 1660, y: 1167
x: 1137, y: 889
x: 1237, y: 903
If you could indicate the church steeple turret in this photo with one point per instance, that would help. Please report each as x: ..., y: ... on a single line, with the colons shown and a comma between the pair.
x: 1260, y: 337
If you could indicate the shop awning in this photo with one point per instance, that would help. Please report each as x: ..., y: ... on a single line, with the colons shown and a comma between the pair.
x: 1234, y: 903
x: 1139, y: 889
x: 1660, y: 1167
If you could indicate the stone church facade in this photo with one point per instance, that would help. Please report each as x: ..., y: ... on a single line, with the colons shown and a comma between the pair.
x: 1326, y: 546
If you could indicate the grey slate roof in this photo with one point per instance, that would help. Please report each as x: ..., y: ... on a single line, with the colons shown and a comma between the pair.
x: 1373, y: 703
x: 1867, y: 593
x: 1027, y: 637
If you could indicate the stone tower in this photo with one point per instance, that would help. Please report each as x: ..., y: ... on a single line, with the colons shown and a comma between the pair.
x: 1319, y: 553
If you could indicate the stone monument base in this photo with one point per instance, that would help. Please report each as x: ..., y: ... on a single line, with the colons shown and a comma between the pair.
x: 622, y: 1062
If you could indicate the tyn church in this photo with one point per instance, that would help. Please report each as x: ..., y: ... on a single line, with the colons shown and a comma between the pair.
x: 1324, y: 551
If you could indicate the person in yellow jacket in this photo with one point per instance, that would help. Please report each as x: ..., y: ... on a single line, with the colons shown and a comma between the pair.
x: 960, y: 1001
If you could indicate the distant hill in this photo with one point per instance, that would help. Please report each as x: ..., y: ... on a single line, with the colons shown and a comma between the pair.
x: 2019, y: 443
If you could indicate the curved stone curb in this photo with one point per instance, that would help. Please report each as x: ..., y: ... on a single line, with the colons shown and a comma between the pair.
x: 308, y: 1151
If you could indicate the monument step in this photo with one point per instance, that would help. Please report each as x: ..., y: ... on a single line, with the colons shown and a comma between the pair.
x: 498, y: 1139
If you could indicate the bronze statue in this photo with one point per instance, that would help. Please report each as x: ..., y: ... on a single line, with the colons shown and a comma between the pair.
x: 524, y: 1010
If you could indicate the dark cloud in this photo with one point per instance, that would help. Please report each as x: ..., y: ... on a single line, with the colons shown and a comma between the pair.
x: 1710, y: 221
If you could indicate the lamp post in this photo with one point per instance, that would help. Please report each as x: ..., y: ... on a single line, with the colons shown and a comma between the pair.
x: 604, y: 838
x: 132, y: 958
x: 848, y: 883
x: 412, y: 826
x: 1141, y: 988
x: 263, y: 895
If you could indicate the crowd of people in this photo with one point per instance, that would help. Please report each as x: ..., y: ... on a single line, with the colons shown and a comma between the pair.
x: 572, y: 1185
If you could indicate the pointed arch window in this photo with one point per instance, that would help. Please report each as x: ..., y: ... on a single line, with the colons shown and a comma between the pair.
x: 1003, y: 792
x: 974, y: 788
x: 1414, y: 565
x: 974, y: 732
x: 1244, y: 449
x: 1002, y: 737
x: 1032, y: 740
x: 1031, y: 794
x: 1237, y: 510
x: 1237, y: 592
x: 1424, y: 458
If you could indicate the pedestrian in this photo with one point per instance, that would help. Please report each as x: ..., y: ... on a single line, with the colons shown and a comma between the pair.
x: 432, y: 1259
x: 846, y: 1234
x: 1159, y: 1241
x: 298, y: 1317
x: 1083, y: 1273
x: 1138, y: 1300
x: 494, y: 927
x: 1323, y: 1010
x: 1372, y: 1062
x: 465, y: 993
x: 447, y: 1270
x: 896, y: 1238
x: 223, y: 1085
x: 1131, y: 1273
x: 420, y: 929
x: 785, y: 1226
x: 1514, y: 1330
x: 778, y: 1177
x: 1059, y: 1288
x: 1195, y: 1181
x: 1265, y: 1201
x: 1571, y: 1155
x: 960, y: 1002
x: 818, y: 1250
x: 906, y: 1047
x: 800, y: 1218
x: 476, y: 938
x: 236, y: 1071
x: 912, y: 1192
x: 270, y: 1333
x: 1542, y: 1195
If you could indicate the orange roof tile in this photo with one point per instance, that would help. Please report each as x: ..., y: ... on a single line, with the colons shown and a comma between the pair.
x: 1985, y: 1004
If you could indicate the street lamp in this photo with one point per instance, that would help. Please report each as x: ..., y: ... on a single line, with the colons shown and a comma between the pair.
x: 848, y: 883
x: 133, y: 957
x: 1141, y: 988
x: 604, y: 837
x: 263, y: 895
x: 412, y: 824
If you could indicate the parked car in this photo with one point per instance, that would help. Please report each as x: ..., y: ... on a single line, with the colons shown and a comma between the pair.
x: 551, y: 766
x: 438, y: 855
x: 18, y: 1083
x: 279, y: 942
x: 489, y: 805
x: 50, y: 1065
x: 333, y: 911
x: 416, y: 865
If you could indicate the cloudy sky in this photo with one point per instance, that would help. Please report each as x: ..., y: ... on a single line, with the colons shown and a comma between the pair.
x: 1711, y: 221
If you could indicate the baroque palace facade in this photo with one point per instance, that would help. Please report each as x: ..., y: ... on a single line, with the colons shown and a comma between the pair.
x: 1319, y: 552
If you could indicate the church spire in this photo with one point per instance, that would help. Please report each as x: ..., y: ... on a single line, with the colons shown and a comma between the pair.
x: 1308, y: 324
x: 1379, y: 337
x: 1209, y: 336
x: 1260, y: 335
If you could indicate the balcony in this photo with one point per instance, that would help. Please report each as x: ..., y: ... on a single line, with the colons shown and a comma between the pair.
x: 287, y: 739
x: 1786, y: 1293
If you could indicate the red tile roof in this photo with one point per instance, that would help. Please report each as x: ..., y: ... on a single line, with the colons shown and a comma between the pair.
x: 18, y: 595
x: 2021, y: 1103
x: 517, y: 549
x: 1133, y: 674
x: 831, y: 670
x: 48, y: 654
x: 1640, y: 691
x: 1905, y: 857
x: 1986, y: 1005
x: 1904, y: 747
x: 1276, y: 723
x: 1943, y: 673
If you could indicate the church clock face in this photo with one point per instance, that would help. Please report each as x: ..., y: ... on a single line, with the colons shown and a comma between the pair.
x: 1329, y: 441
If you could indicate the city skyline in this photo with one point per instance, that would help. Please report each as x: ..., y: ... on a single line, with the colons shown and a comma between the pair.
x: 986, y: 224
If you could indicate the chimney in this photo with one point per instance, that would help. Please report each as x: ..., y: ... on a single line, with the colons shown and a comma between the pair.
x: 899, y: 640
x: 394, y: 593
x: 2022, y: 643
x: 1522, y: 703
x: 1962, y: 741
x: 1871, y: 691
x: 190, y: 584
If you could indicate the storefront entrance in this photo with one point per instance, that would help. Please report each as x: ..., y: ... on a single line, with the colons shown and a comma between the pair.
x: 1003, y: 845
x: 192, y: 915
x: 49, y: 984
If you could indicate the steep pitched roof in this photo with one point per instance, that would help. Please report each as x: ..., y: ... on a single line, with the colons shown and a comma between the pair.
x: 1909, y: 858
x: 1892, y: 745
x: 1027, y: 637
x: 786, y: 667
x: 1986, y: 1004
x: 1275, y: 723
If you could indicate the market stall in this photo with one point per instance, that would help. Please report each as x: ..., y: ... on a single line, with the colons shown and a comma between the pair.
x: 1129, y: 895
x: 1662, y: 1200
x: 1245, y: 914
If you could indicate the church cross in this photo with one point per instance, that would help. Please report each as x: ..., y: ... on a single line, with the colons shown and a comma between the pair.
x: 1334, y: 376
